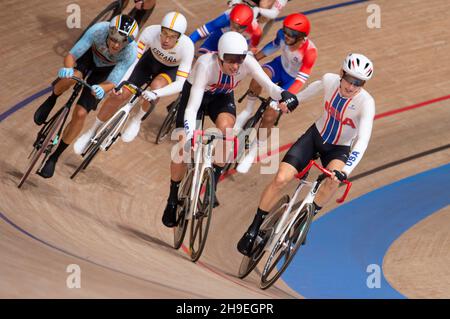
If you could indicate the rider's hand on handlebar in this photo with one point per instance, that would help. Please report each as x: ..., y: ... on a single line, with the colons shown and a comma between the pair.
x: 98, y: 91
x: 289, y: 99
x: 65, y: 73
x: 149, y: 95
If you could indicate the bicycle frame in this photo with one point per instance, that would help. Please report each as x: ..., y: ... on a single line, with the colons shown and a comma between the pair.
x: 121, y: 124
x: 287, y: 219
x: 203, y: 152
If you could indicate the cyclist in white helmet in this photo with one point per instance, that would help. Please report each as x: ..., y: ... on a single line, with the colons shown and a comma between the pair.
x: 106, y: 51
x: 165, y: 54
x: 340, y: 137
x: 209, y: 89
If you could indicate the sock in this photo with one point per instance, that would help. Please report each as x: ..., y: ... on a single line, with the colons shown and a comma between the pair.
x: 61, y: 148
x: 140, y: 114
x: 173, y: 196
x: 258, y: 220
x: 96, y: 125
x: 217, y: 172
x: 316, y: 207
x: 246, y: 113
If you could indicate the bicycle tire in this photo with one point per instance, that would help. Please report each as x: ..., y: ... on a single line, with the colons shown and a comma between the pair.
x: 113, y: 9
x: 168, y: 125
x: 50, y: 135
x: 93, y: 149
x: 295, y: 239
x: 249, y: 263
x: 198, y: 231
x: 183, y: 207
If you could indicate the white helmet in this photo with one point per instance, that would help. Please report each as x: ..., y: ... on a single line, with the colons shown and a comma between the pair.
x: 358, y: 66
x: 232, y: 44
x: 123, y: 26
x: 175, y: 21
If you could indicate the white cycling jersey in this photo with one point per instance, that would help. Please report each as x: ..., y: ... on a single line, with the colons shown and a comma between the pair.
x: 344, y: 120
x: 181, y: 55
x: 207, y: 76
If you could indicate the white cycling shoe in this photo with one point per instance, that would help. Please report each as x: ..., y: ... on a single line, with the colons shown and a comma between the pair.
x: 132, y: 130
x: 82, y: 142
x: 247, y: 161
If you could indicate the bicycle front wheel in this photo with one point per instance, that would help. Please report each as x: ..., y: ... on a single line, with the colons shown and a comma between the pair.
x: 249, y: 263
x: 286, y: 248
x: 51, y: 138
x: 201, y: 217
x: 182, y: 209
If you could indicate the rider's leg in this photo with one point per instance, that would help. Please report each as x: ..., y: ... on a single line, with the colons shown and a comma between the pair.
x: 134, y: 126
x: 71, y: 131
x: 224, y: 122
x: 255, y: 90
x: 177, y: 165
x: 295, y: 160
x: 109, y: 107
x: 329, y: 186
x: 270, y: 196
x: 58, y: 88
x: 272, y: 70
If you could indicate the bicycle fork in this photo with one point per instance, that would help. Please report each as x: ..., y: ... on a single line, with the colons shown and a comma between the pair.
x: 199, y: 169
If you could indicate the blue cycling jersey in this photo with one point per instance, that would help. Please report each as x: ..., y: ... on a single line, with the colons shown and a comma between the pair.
x: 95, y: 38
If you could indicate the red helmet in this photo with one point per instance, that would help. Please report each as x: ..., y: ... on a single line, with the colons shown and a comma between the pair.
x: 242, y: 15
x: 297, y: 22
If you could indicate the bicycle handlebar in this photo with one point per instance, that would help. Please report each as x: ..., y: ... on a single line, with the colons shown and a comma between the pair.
x: 213, y: 136
x: 137, y: 90
x: 262, y: 99
x: 327, y: 173
x: 82, y: 82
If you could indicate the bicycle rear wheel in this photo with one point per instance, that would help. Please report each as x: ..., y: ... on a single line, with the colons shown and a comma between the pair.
x: 286, y: 248
x: 267, y: 228
x: 201, y: 217
x: 169, y: 123
x: 182, y: 209
x: 51, y: 137
x: 94, y: 147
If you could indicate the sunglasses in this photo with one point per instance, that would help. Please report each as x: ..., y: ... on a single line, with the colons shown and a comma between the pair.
x: 240, y: 28
x: 293, y: 34
x: 117, y: 38
x: 234, y: 58
x: 352, y: 80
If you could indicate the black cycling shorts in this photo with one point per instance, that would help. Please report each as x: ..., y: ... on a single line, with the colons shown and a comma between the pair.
x: 148, y: 67
x: 310, y: 144
x: 86, y: 64
x: 212, y: 105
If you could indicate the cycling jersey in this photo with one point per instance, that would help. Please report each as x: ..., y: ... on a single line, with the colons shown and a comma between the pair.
x: 344, y: 120
x: 298, y: 63
x: 95, y: 38
x: 215, y: 28
x: 207, y: 76
x: 181, y: 55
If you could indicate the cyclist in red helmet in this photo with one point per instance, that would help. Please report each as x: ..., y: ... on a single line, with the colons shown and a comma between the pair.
x: 290, y: 70
x: 239, y: 19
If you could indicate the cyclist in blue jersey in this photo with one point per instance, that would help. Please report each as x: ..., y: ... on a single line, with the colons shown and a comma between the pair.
x: 103, y: 54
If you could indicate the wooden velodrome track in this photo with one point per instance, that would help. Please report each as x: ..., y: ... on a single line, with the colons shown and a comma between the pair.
x: 108, y: 221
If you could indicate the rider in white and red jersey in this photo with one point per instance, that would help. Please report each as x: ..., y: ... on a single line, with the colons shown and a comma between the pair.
x: 209, y: 89
x: 290, y: 70
x: 340, y: 137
